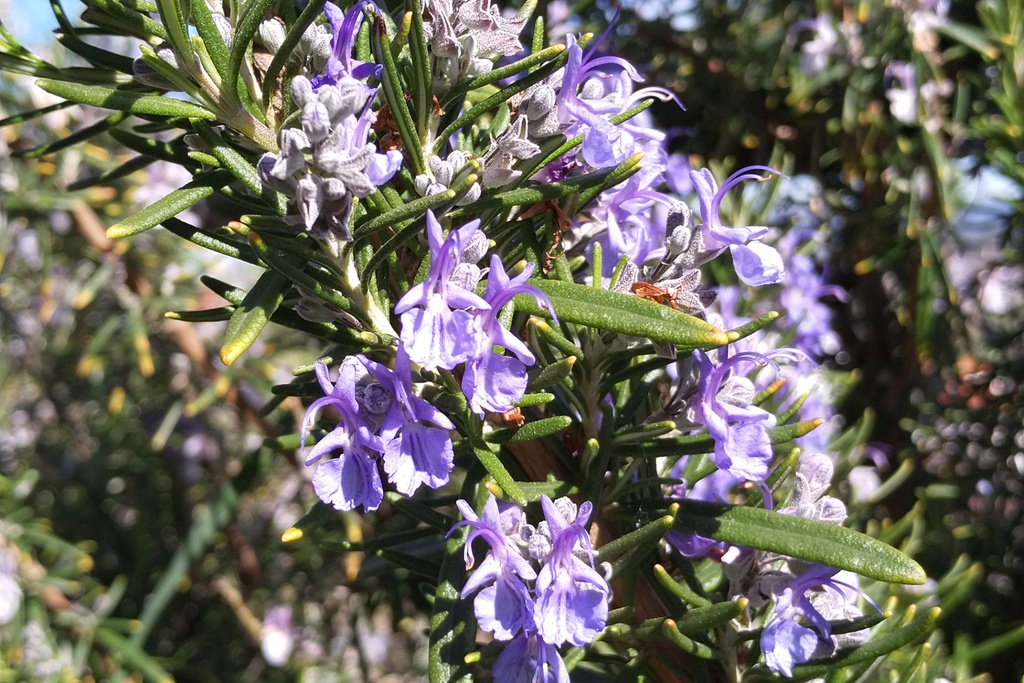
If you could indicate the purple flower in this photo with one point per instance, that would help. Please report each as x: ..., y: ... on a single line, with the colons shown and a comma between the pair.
x: 756, y: 264
x: 572, y: 597
x: 351, y: 479
x: 437, y: 331
x: 504, y: 606
x: 529, y: 659
x: 492, y: 382
x: 344, y: 29
x: 414, y: 453
x: 593, y: 90
x: 740, y: 430
x: 784, y: 641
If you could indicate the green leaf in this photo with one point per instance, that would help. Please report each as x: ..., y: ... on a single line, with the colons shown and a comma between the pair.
x: 753, y: 326
x: 253, y: 314
x: 623, y: 313
x: 643, y: 540
x: 123, y: 20
x: 492, y: 463
x: 133, y: 103
x: 173, y: 20
x: 231, y: 160
x: 537, y: 429
x: 205, y: 315
x: 246, y: 28
x: 21, y: 117
x: 120, y: 171
x: 806, y: 539
x: 394, y: 94
x: 212, y: 40
x: 201, y: 187
x: 123, y: 650
x: 452, y: 626
x: 495, y: 75
x: 102, y: 126
x: 710, y: 617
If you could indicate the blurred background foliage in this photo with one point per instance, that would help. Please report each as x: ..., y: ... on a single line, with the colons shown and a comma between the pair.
x: 143, y: 495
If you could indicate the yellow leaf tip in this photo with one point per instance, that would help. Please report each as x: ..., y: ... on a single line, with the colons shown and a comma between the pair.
x: 292, y: 534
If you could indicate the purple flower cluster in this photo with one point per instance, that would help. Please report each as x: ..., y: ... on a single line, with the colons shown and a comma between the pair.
x: 328, y: 162
x: 535, y: 610
x: 380, y: 418
x: 444, y: 323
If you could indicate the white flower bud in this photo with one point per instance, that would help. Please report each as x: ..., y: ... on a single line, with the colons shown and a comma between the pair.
x: 271, y: 33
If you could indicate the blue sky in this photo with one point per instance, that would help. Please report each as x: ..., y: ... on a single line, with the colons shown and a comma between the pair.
x: 33, y: 23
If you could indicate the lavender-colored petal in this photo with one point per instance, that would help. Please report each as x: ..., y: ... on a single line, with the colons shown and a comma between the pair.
x: 746, y: 452
x: 758, y: 264
x: 567, y: 612
x: 786, y: 643
x: 494, y: 383
x: 337, y: 440
x: 348, y: 482
x: 383, y: 167
x: 504, y: 608
x: 420, y: 455
x: 436, y: 336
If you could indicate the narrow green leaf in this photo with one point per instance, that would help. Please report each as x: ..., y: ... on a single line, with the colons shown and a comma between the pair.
x: 537, y: 399
x: 394, y: 94
x: 452, y: 624
x: 296, y: 274
x: 550, y: 374
x: 120, y: 171
x: 174, y: 151
x: 208, y: 240
x: 231, y: 160
x: 687, y: 645
x: 321, y: 513
x: 642, y: 540
x: 503, y: 95
x: 201, y: 187
x: 558, y: 340
x: 21, y: 117
x: 421, y: 77
x: 131, y: 655
x: 402, y: 212
x: 623, y: 313
x: 253, y: 314
x: 798, y: 537
x: 492, y: 463
x: 133, y: 103
x: 246, y: 28
x: 204, y: 316
x: 753, y: 326
x: 102, y: 126
x: 537, y: 429
x: 710, y: 617
x: 495, y: 75
x: 680, y: 590
x: 104, y: 59
x: 126, y: 21
x: 212, y: 40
